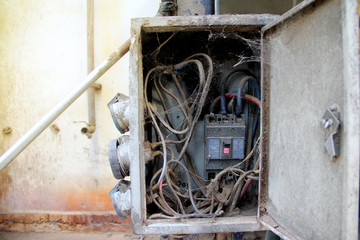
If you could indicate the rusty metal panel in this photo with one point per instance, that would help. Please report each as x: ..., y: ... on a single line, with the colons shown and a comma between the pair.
x: 141, y: 224
x: 246, y: 22
x: 310, y: 62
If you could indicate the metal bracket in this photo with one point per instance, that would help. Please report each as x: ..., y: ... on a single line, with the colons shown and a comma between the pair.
x: 331, y: 123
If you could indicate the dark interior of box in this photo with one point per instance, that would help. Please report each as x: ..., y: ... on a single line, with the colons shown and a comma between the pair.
x: 202, y: 115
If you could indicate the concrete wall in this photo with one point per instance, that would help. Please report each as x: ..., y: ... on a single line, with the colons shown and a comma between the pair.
x: 42, y: 57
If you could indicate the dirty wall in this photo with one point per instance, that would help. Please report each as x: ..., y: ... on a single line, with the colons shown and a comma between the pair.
x: 63, y: 176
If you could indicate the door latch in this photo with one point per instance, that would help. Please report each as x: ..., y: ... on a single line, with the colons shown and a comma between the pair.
x: 331, y: 123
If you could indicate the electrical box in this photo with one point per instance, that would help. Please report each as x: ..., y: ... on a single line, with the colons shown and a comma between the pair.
x: 195, y: 99
x: 252, y: 122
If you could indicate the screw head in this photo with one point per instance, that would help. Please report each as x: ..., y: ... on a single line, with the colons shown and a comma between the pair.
x: 263, y: 210
x: 328, y: 123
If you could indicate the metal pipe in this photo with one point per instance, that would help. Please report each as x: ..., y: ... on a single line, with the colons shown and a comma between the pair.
x: 209, y: 6
x: 217, y: 7
x: 40, y: 126
x: 91, y: 124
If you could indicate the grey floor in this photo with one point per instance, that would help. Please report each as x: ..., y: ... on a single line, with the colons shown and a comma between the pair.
x: 73, y: 236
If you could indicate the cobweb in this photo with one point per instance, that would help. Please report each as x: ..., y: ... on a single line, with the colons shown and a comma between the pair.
x: 251, y: 41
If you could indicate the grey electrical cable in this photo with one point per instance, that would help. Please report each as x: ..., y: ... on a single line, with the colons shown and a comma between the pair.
x: 159, y: 133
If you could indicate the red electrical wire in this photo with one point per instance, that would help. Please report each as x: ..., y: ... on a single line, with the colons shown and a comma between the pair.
x: 252, y: 99
x: 246, y: 97
x: 230, y: 95
x: 247, y: 185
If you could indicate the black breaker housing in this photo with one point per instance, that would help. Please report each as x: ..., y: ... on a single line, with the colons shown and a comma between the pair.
x: 224, y: 142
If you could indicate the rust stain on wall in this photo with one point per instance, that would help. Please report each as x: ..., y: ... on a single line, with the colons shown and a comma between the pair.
x: 47, y: 199
x: 5, y: 181
x: 95, y: 200
x: 54, y: 222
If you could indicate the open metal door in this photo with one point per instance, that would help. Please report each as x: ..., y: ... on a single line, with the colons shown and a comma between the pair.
x: 310, y: 81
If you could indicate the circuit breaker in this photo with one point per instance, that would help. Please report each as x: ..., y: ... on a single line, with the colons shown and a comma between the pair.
x: 226, y: 123
x: 224, y: 142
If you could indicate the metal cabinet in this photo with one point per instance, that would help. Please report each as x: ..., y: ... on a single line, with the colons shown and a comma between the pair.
x: 309, y: 67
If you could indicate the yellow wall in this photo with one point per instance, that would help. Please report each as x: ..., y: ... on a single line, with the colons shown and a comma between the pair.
x: 42, y: 57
